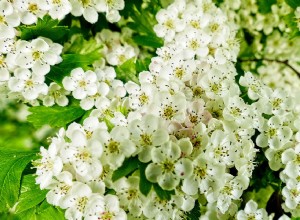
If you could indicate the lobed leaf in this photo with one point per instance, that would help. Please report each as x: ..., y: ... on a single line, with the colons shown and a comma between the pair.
x: 55, y: 116
x: 70, y: 62
x: 195, y: 212
x: 45, y: 27
x: 128, y: 166
x: 127, y: 71
x: 31, y: 195
x: 12, y: 164
x: 163, y: 194
x: 293, y: 3
x: 145, y: 185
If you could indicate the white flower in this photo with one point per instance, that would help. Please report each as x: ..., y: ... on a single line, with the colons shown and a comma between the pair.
x: 140, y: 96
x: 204, y: 173
x: 76, y: 201
x: 59, y: 188
x: 85, y: 8
x: 30, y: 85
x: 106, y: 207
x: 236, y: 110
x: 178, y: 69
x: 147, y: 132
x: 119, y: 54
x: 57, y: 95
x: 195, y: 42
x: 255, y: 86
x: 168, y: 168
x: 169, y: 107
x: 231, y: 189
x: 221, y: 148
x: 59, y: 9
x: 9, y: 18
x: 291, y: 158
x: 117, y: 146
x: 48, y: 166
x: 4, y: 73
x: 156, y: 208
x: 273, y: 133
x: 291, y: 193
x: 39, y: 55
x: 251, y: 212
x: 168, y: 23
x: 81, y: 83
x: 31, y: 10
x: 111, y: 8
x: 89, y: 102
x: 130, y: 197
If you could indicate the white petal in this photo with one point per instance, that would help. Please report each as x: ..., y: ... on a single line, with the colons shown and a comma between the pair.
x: 90, y: 14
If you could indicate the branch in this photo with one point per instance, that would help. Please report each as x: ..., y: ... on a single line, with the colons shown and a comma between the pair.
x: 285, y: 62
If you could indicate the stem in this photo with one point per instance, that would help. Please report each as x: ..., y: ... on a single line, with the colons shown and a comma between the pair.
x: 285, y: 62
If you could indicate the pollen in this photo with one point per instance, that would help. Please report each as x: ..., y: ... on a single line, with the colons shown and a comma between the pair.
x: 146, y: 139
x: 168, y: 112
x: 169, y: 24
x: 167, y: 166
x: 143, y: 98
x: 36, y: 55
x: 33, y: 8
x: 113, y: 146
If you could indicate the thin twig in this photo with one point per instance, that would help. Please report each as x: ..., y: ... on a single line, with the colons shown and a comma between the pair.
x: 285, y: 62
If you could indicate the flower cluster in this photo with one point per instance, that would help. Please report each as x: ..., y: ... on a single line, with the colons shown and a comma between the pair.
x: 116, y: 49
x: 24, y: 65
x: 191, y: 128
x: 28, y: 11
x: 269, y: 41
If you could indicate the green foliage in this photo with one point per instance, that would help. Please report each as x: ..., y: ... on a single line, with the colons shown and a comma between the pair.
x: 195, y: 212
x: 142, y: 23
x: 55, y: 116
x: 261, y: 197
x: 40, y: 212
x: 129, y: 166
x: 79, y: 45
x: 142, y: 65
x: 163, y: 194
x: 290, y: 20
x: 70, y: 62
x: 31, y: 195
x: 144, y: 185
x: 150, y: 41
x: 264, y: 6
x: 12, y: 164
x: 293, y: 3
x: 45, y: 27
x: 127, y: 71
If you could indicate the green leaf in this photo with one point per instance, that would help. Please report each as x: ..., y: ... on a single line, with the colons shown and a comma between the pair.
x: 55, y: 116
x: 79, y: 45
x: 40, y: 212
x: 163, y: 194
x: 148, y: 40
x: 142, y: 65
x: 143, y: 21
x: 264, y: 6
x: 293, y: 3
x: 127, y: 71
x: 49, y: 212
x: 145, y: 185
x: 31, y: 195
x: 195, y: 212
x: 128, y: 166
x: 45, y: 27
x: 70, y: 62
x: 12, y: 164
